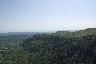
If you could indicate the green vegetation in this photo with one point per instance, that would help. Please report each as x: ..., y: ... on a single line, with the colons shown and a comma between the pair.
x: 62, y: 47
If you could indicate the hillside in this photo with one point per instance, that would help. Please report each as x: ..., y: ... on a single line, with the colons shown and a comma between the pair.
x: 62, y: 47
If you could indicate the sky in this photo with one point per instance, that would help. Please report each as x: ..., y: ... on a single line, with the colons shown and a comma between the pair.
x: 46, y: 15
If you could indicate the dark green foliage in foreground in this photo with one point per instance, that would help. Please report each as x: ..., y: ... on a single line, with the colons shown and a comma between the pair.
x: 58, y: 48
x: 77, y: 48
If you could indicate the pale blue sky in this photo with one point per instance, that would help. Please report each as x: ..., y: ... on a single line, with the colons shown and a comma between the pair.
x: 46, y: 15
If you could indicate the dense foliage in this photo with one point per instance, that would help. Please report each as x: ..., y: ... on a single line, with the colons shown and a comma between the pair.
x: 62, y: 47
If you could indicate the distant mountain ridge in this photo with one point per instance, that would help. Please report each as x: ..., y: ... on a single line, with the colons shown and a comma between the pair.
x: 23, y: 33
x: 19, y: 33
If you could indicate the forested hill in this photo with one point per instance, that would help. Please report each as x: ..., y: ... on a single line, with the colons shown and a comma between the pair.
x: 78, y: 33
x: 63, y: 47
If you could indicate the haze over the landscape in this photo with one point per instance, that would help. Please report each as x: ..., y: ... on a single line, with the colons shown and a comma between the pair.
x: 46, y: 15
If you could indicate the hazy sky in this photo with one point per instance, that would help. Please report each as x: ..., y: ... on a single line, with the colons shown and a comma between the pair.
x: 46, y: 15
